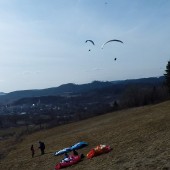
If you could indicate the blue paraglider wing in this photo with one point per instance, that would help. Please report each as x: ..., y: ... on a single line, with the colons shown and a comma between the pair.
x: 60, y: 152
x: 79, y: 145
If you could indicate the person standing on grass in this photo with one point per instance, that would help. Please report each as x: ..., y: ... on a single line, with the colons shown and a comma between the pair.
x: 42, y: 147
x: 32, y: 150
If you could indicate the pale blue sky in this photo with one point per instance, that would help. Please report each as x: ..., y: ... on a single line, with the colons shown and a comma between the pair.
x: 42, y: 43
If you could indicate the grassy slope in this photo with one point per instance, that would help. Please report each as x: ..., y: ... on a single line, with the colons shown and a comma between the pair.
x: 140, y: 138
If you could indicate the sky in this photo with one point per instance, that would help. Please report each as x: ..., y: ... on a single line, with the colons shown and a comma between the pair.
x: 42, y: 43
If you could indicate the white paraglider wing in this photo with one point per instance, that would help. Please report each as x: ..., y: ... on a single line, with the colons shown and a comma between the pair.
x: 111, y: 41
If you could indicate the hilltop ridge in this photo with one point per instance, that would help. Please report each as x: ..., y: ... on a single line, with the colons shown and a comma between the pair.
x: 70, y: 88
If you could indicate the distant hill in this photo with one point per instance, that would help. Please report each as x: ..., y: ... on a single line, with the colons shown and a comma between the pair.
x: 65, y: 89
x: 70, y: 89
x: 2, y: 93
x: 150, y: 80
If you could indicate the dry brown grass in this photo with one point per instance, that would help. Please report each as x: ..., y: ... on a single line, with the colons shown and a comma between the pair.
x: 140, y: 138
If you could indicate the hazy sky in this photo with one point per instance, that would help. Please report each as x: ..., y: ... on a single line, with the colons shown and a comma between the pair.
x: 42, y: 43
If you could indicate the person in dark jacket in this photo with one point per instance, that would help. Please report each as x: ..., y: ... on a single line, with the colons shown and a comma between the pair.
x: 42, y: 147
x: 32, y: 150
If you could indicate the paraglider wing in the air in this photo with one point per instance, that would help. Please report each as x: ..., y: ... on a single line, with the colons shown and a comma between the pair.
x: 111, y: 41
x: 90, y: 41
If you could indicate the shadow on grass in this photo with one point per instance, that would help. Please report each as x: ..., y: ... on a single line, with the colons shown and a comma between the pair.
x: 43, y: 154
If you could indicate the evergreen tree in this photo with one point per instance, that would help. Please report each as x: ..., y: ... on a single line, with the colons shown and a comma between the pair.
x: 167, y: 75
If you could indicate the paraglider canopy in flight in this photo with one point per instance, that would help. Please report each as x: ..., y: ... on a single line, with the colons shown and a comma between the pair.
x: 90, y: 41
x: 111, y: 41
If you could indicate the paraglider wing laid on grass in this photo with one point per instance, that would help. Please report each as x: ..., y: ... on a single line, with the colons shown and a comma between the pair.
x: 72, y: 160
x: 76, y: 146
x: 111, y: 41
x: 79, y: 145
x: 98, y: 150
x: 60, y: 152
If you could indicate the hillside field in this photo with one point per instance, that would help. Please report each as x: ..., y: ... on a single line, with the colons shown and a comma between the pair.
x: 140, y: 138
